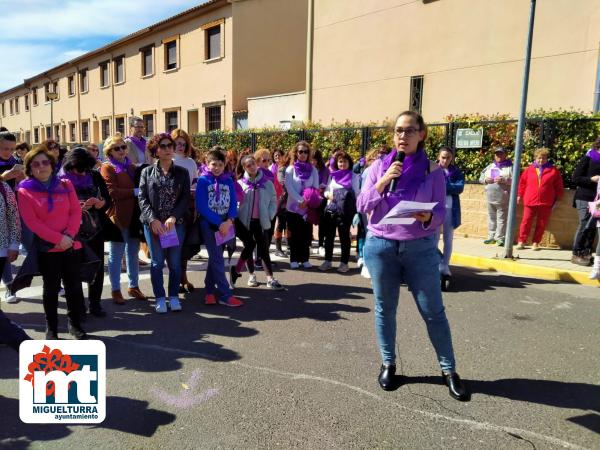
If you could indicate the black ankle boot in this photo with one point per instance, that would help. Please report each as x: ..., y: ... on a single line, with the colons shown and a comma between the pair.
x: 387, y: 377
x: 77, y: 332
x: 97, y: 311
x: 51, y: 335
x: 458, y: 390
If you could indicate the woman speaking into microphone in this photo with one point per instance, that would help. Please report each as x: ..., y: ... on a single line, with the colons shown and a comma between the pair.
x: 396, y: 253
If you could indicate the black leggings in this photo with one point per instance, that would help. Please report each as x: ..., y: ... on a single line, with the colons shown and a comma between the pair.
x: 57, y: 266
x: 95, y: 288
x: 330, y: 224
x: 300, y: 237
x: 251, y: 238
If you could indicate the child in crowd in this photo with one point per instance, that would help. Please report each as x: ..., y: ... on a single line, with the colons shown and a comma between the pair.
x: 217, y: 206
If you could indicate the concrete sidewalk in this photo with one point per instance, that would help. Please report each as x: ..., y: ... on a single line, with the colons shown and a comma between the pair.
x: 547, y: 264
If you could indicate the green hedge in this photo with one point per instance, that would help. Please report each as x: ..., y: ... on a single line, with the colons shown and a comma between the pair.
x: 569, y: 134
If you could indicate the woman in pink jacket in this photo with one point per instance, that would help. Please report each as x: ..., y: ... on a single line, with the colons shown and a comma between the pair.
x: 540, y: 187
x: 50, y: 209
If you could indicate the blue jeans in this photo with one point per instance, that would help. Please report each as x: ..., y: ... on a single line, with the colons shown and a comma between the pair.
x: 416, y: 263
x: 448, y: 234
x: 115, y: 256
x: 215, y: 279
x: 158, y: 256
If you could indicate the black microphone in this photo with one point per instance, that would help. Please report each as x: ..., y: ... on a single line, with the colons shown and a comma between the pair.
x: 400, y: 158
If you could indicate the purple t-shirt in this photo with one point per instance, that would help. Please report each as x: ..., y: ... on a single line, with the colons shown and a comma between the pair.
x: 432, y: 189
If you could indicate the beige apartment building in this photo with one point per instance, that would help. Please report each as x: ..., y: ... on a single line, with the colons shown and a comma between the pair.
x: 194, y: 70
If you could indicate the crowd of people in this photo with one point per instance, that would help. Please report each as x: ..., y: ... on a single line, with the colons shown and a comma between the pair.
x: 167, y: 198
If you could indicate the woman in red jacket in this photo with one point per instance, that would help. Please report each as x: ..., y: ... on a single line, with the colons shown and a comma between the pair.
x: 540, y: 187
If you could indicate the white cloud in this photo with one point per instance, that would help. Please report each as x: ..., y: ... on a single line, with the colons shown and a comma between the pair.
x: 37, y: 35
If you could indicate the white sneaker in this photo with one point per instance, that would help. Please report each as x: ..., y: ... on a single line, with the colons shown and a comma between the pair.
x: 174, y: 304
x: 365, y: 272
x: 321, y: 251
x: 594, y: 274
x: 306, y: 265
x: 294, y: 265
x: 325, y: 266
x: 343, y: 268
x: 360, y: 262
x: 252, y: 281
x: 9, y: 298
x: 161, y: 306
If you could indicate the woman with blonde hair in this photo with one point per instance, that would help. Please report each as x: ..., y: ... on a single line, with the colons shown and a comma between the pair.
x: 119, y: 174
x: 540, y: 187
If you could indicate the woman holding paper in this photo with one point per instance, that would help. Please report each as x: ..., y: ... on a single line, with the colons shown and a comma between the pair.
x: 164, y: 196
x: 407, y: 252
x: 119, y: 174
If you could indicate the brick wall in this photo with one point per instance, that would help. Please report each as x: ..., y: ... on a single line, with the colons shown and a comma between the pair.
x: 559, y: 232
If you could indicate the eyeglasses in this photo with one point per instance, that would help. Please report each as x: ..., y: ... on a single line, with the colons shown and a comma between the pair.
x: 119, y: 148
x: 42, y: 163
x: 408, y: 132
x: 180, y: 144
x: 303, y: 152
x: 265, y: 160
x: 165, y: 146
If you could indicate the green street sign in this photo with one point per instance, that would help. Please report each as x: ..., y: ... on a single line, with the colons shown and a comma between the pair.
x: 469, y: 138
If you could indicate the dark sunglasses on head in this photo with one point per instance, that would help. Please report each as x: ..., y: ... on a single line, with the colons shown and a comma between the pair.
x: 42, y: 163
x: 120, y: 147
x: 165, y: 146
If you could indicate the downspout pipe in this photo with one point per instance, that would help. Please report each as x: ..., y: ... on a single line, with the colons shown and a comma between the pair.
x: 597, y: 90
x: 309, y: 60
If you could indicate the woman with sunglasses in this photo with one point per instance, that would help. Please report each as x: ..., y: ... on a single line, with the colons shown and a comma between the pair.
x: 262, y: 157
x: 184, y: 156
x: 278, y: 169
x: 119, y: 174
x: 407, y: 252
x: 50, y: 209
x: 299, y: 176
x: 53, y: 147
x: 164, y: 201
x: 21, y: 150
x: 95, y: 152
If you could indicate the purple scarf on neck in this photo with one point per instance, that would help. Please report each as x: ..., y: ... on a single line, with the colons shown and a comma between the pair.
x: 9, y: 162
x: 273, y: 169
x: 414, y: 171
x: 505, y: 163
x: 303, y: 170
x: 140, y: 143
x: 84, y: 181
x: 594, y: 155
x: 216, y: 180
x: 125, y: 166
x: 343, y: 178
x: 54, y: 187
x: 541, y: 167
x: 258, y: 182
x: 267, y: 174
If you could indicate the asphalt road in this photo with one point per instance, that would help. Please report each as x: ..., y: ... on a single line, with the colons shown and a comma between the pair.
x: 298, y: 368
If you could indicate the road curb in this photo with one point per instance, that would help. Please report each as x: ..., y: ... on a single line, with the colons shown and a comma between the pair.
x: 519, y: 268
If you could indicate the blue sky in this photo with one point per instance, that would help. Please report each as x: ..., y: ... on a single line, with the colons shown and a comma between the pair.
x: 36, y: 35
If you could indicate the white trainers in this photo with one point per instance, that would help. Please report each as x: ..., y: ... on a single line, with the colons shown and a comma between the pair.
x: 343, y: 268
x: 274, y: 284
x: 321, y: 251
x: 161, y: 305
x: 594, y: 274
x: 10, y: 298
x: 306, y: 265
x: 365, y: 272
x: 520, y: 246
x: 360, y: 262
x: 325, y: 266
x: 174, y: 304
x: 252, y: 281
x: 294, y: 265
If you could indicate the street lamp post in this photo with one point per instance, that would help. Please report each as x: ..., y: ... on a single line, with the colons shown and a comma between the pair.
x: 52, y: 96
x: 512, y: 205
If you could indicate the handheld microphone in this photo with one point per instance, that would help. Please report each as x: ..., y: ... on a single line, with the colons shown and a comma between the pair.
x: 400, y: 158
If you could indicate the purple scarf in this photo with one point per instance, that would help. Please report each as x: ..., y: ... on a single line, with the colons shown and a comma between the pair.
x: 303, y: 170
x: 505, y: 163
x: 343, y: 178
x: 414, y: 170
x: 84, y: 181
x: 451, y: 171
x: 541, y: 167
x: 594, y: 155
x: 258, y: 182
x: 125, y: 166
x: 54, y: 187
x: 216, y: 180
x: 9, y: 162
x: 140, y: 143
x: 267, y: 174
